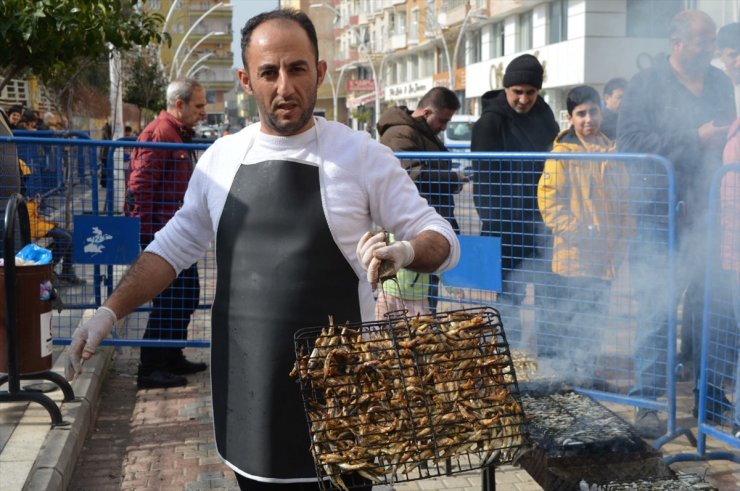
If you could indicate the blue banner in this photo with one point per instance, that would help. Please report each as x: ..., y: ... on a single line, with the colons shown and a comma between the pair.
x: 479, y: 266
x: 105, y: 240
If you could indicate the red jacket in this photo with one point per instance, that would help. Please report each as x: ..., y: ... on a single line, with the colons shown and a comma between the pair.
x: 157, y: 179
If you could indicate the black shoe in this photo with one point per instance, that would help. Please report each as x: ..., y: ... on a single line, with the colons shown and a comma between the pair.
x: 717, y: 404
x: 159, y: 379
x: 182, y: 366
x: 648, y: 425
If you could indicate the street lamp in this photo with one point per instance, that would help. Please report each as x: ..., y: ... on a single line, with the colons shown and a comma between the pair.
x: 164, y: 26
x: 185, y: 37
x: 335, y: 88
x: 197, y: 62
x: 476, y: 14
x: 438, y: 28
x: 191, y: 73
x: 336, y: 12
x: 195, y: 46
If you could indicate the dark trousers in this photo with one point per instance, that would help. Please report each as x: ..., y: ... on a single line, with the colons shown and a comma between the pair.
x: 169, y: 319
x: 61, y: 248
x: 246, y: 484
x: 575, y: 315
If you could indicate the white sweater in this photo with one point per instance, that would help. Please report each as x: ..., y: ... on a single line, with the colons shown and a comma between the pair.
x: 363, y: 186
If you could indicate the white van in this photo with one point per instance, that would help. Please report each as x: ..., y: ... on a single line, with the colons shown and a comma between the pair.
x: 459, y: 131
x: 457, y: 138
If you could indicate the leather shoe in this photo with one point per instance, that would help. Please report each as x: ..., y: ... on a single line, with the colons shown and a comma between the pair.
x: 159, y: 379
x: 183, y: 366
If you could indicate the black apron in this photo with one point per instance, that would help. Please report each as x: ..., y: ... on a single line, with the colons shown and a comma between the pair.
x: 279, y: 269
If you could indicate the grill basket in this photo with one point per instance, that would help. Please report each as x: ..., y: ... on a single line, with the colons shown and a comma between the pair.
x: 409, y: 398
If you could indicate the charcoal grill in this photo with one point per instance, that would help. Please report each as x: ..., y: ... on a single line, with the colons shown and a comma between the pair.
x: 409, y: 398
x: 573, y: 438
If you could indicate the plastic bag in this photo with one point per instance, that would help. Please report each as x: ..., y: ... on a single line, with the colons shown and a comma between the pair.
x: 32, y: 254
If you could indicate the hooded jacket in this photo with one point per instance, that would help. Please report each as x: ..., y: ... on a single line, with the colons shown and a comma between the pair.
x: 434, y: 179
x: 730, y: 203
x: 583, y: 203
x: 505, y: 191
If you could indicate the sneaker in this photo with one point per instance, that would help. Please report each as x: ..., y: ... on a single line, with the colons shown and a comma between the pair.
x: 183, y: 366
x: 159, y: 379
x: 648, y: 425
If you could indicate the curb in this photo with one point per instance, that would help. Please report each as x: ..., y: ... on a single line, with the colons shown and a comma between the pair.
x: 52, y: 470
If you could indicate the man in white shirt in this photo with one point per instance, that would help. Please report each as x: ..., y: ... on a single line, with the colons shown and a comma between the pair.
x: 289, y: 202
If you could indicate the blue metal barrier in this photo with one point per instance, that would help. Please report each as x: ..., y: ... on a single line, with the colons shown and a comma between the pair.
x: 628, y: 315
x: 540, y: 309
x: 719, y: 418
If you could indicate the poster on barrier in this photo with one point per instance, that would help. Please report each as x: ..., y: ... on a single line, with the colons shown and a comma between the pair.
x: 479, y: 266
x: 105, y: 240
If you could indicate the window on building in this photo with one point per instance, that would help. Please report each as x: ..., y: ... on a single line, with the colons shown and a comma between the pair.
x: 210, y: 96
x: 401, y: 22
x: 413, y: 67
x: 414, y: 25
x: 557, y: 21
x: 648, y: 18
x: 524, y: 33
x: 427, y: 64
x: 496, y: 40
x: 473, y: 48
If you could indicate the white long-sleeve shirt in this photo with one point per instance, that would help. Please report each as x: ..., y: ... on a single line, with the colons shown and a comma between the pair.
x: 363, y: 187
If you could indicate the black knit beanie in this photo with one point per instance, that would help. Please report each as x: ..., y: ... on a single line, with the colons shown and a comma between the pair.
x: 524, y: 70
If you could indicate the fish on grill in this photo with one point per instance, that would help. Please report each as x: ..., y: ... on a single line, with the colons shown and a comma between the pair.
x: 409, y: 398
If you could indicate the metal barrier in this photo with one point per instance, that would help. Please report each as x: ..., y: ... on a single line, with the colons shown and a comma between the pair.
x: 594, y: 296
x: 719, y: 418
x: 51, y: 168
x: 611, y: 333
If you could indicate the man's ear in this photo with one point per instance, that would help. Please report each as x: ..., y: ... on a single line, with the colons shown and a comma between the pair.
x: 244, y: 80
x: 321, y: 67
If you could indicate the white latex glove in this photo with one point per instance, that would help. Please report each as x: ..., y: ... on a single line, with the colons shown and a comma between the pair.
x: 372, y: 249
x: 87, y: 338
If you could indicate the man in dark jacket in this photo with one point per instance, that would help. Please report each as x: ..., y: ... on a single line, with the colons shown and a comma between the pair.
x: 613, y: 92
x: 156, y: 185
x: 515, y: 119
x: 403, y: 130
x: 679, y: 108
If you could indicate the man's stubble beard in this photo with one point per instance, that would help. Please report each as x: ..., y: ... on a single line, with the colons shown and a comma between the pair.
x: 286, y: 129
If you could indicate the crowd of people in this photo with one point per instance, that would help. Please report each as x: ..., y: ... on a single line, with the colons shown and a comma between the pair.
x: 564, y: 225
x: 319, y: 252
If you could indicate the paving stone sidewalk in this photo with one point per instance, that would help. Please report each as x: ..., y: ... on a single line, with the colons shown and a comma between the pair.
x: 162, y: 439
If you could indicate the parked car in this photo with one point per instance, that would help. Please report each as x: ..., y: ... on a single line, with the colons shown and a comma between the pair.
x: 457, y: 139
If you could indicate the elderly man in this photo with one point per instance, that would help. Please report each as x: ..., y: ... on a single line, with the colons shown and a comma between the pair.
x: 289, y: 202
x: 679, y: 108
x: 158, y: 179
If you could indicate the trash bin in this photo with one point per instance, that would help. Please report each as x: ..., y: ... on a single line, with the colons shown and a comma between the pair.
x: 33, y: 329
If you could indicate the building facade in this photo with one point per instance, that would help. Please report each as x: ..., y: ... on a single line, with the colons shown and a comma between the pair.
x: 390, y: 52
x: 201, y: 48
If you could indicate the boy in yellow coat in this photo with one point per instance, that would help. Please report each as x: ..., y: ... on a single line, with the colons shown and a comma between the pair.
x: 584, y: 204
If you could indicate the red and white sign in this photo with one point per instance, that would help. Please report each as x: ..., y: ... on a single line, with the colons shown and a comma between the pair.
x: 360, y: 85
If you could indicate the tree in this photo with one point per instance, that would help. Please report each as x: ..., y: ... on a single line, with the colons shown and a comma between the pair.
x: 145, y: 84
x: 49, y: 37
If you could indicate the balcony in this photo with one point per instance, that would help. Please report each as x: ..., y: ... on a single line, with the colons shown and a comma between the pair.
x: 398, y: 41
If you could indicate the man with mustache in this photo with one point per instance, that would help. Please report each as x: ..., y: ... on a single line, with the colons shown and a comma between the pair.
x: 289, y: 202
